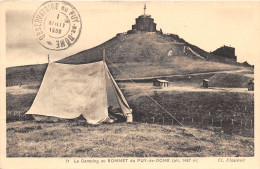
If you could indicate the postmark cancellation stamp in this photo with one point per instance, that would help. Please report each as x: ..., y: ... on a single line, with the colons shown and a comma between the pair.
x: 56, y: 25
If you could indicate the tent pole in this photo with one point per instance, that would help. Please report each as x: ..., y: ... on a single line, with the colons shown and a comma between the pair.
x: 104, y: 55
x: 104, y: 66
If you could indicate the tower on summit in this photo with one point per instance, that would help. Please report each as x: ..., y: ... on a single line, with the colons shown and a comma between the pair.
x: 144, y: 23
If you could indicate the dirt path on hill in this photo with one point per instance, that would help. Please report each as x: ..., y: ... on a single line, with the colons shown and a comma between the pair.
x: 23, y: 89
x: 210, y: 89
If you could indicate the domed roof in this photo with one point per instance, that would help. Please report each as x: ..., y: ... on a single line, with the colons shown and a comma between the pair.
x: 144, y: 16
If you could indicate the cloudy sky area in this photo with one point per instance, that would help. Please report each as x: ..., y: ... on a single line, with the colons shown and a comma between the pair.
x: 207, y: 25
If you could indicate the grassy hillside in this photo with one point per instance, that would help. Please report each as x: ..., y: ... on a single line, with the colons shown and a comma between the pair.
x: 140, y: 55
x: 31, y: 139
x: 178, y: 65
x: 22, y: 75
x: 192, y: 103
x: 131, y: 48
x: 144, y: 47
x: 230, y: 80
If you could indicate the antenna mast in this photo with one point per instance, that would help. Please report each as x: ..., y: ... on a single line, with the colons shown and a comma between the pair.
x: 144, y: 8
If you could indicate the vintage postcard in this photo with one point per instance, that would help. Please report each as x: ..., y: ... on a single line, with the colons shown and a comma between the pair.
x: 137, y: 84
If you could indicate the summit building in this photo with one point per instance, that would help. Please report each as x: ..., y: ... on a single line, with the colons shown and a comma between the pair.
x: 144, y: 23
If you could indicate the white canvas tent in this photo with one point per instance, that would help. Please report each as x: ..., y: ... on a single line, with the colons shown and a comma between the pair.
x: 68, y: 91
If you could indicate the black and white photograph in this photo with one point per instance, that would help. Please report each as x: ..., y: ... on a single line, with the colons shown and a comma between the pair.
x: 130, y: 83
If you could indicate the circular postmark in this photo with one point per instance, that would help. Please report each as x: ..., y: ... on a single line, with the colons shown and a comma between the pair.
x: 56, y: 25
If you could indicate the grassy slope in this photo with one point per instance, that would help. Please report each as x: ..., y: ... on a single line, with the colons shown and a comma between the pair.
x: 177, y: 65
x: 130, y: 48
x: 141, y: 55
x: 28, y: 74
x: 230, y: 80
x: 120, y: 140
x: 144, y: 55
x: 192, y: 104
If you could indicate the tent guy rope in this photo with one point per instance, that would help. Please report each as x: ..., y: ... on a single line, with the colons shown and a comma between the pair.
x: 153, y: 99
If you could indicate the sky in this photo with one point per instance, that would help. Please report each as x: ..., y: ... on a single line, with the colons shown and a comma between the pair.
x: 208, y: 25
